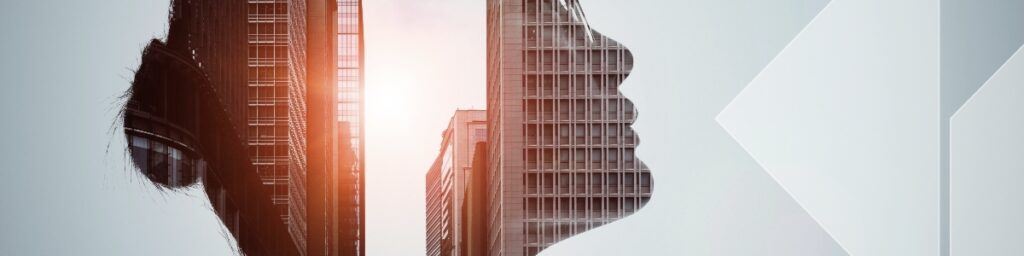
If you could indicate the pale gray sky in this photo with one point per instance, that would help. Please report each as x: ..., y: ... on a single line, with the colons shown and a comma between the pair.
x: 425, y: 58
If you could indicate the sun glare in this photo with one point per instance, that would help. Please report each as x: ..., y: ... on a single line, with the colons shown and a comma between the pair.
x: 388, y: 99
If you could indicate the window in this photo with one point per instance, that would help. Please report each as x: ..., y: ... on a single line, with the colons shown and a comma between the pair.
x: 613, y: 207
x: 563, y: 108
x: 581, y: 208
x: 563, y: 207
x: 580, y: 158
x: 531, y: 207
x: 158, y: 160
x: 613, y: 109
x: 563, y: 184
x: 531, y: 134
x: 628, y: 109
x: 613, y: 182
x: 629, y: 182
x: 581, y: 80
x: 531, y: 158
x: 596, y: 184
x: 628, y: 135
x: 531, y: 81
x: 628, y: 157
x: 579, y: 131
x: 563, y: 134
x: 548, y: 157
x: 580, y: 184
x: 547, y: 184
x: 613, y: 133
x: 597, y: 208
x: 645, y: 183
x: 563, y: 158
x: 531, y: 183
x: 140, y: 151
x: 563, y: 61
x: 580, y: 109
x: 628, y: 205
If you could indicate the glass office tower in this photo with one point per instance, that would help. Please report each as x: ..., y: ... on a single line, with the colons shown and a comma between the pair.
x: 447, y: 180
x: 305, y: 86
x: 561, y: 151
x: 276, y: 110
x: 350, y: 117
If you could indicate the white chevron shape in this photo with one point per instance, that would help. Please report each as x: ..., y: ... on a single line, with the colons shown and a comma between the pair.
x: 845, y: 119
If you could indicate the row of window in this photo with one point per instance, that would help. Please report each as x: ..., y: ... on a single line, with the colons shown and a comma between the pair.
x: 267, y: 69
x: 578, y: 109
x: 579, y: 155
x: 611, y: 183
x: 572, y: 36
x: 278, y: 110
x: 163, y: 163
x: 580, y: 134
x: 267, y: 51
x: 267, y: 7
x: 578, y: 60
x: 572, y: 85
x: 579, y: 209
x: 268, y: 131
x: 267, y: 28
x: 259, y: 92
x: 549, y: 11
x: 553, y: 219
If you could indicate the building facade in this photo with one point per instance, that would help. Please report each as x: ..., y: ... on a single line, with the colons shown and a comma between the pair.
x: 276, y: 105
x: 561, y: 151
x: 448, y: 180
x: 351, y: 82
x: 304, y: 76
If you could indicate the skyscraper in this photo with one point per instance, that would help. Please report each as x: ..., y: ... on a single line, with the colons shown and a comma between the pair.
x: 305, y: 83
x: 447, y: 181
x: 350, y: 80
x: 561, y: 150
x: 276, y: 105
x: 297, y: 48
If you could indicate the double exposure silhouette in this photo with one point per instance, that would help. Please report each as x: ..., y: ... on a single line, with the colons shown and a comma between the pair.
x: 187, y: 113
x: 559, y: 157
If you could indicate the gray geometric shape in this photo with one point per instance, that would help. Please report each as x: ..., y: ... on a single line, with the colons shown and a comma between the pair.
x: 987, y: 138
x: 977, y: 37
x: 844, y: 120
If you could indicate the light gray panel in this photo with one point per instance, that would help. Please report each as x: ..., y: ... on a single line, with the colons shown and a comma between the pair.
x: 977, y: 38
x: 845, y: 120
x: 986, y: 139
